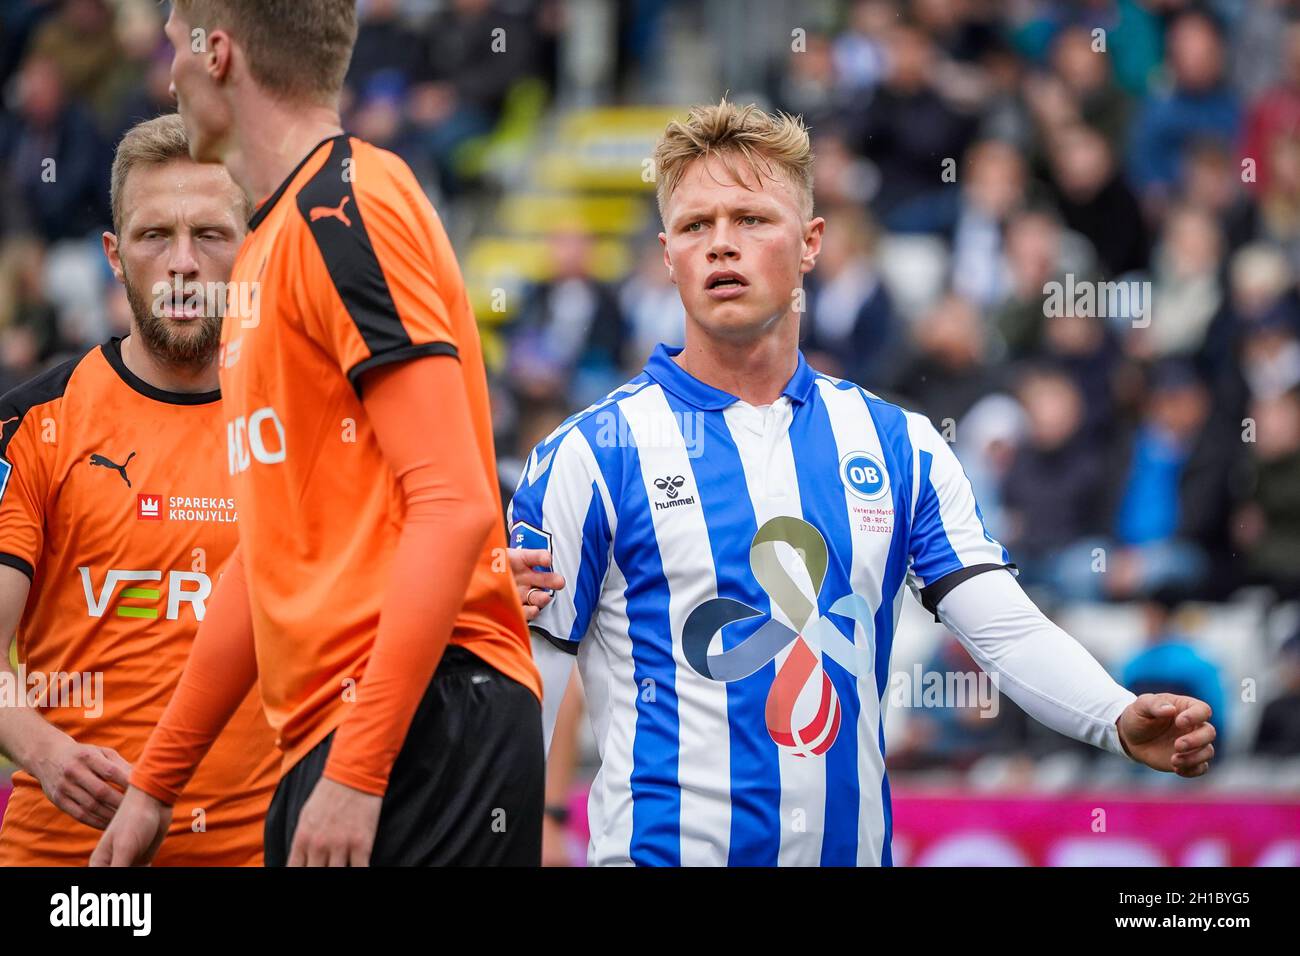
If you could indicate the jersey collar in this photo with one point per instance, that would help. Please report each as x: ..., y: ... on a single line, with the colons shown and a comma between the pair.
x: 264, y: 210
x: 112, y: 351
x: 691, y: 390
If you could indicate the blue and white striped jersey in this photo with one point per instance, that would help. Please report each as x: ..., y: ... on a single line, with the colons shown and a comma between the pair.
x: 735, y: 575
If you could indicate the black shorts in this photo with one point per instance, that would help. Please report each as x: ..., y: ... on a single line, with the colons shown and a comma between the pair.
x: 468, y: 785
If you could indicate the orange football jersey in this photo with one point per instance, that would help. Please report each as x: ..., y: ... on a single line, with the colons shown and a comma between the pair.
x: 114, y: 501
x: 346, y: 267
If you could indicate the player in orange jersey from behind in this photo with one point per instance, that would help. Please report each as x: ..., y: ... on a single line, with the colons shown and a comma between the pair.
x: 370, y: 593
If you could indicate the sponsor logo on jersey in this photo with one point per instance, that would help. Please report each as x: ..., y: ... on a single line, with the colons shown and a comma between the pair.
x: 864, y: 475
x: 100, y: 461
x: 185, y: 508
x: 671, y: 488
x: 257, y: 437
x: 803, y: 712
x: 119, y: 587
x: 333, y: 212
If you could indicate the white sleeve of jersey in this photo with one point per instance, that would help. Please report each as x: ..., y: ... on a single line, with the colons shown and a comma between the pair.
x: 1049, y: 674
x: 556, y: 668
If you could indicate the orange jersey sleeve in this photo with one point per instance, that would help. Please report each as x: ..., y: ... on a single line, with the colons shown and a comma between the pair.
x: 384, y: 268
x: 421, y: 417
x: 221, y: 670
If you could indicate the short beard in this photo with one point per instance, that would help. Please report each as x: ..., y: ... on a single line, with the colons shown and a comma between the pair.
x: 190, y: 349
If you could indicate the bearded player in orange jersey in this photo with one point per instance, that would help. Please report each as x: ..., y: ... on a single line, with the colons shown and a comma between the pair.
x: 113, y: 527
x: 370, y: 593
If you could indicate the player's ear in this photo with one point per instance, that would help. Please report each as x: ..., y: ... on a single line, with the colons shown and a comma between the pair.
x: 812, y: 243
x: 668, y: 263
x: 112, y: 254
x: 221, y: 56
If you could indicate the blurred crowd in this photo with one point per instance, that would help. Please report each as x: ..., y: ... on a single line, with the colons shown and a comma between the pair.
x: 971, y: 156
x: 76, y: 74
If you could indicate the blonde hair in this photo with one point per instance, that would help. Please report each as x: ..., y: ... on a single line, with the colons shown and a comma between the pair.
x: 154, y: 142
x: 765, y: 142
x: 298, y: 50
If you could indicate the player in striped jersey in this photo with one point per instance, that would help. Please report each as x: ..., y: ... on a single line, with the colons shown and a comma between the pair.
x: 736, y: 531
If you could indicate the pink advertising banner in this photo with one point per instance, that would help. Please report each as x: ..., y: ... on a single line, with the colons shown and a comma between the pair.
x: 961, y: 829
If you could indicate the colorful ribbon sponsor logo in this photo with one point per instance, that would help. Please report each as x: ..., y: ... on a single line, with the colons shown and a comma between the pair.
x: 811, y: 638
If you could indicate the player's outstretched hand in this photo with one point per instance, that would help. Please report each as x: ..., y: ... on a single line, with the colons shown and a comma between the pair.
x: 336, y: 827
x: 84, y: 781
x: 137, y: 830
x: 1169, y: 732
x: 535, y: 587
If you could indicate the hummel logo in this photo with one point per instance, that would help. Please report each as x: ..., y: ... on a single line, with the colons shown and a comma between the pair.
x: 333, y: 212
x: 671, y: 487
x: 103, y: 462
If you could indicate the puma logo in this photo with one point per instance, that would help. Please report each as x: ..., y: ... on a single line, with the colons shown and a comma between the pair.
x: 103, y: 462
x: 9, y: 421
x: 333, y: 212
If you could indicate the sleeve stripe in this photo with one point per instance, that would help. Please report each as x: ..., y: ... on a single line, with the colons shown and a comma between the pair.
x: 593, y: 564
x: 18, y: 564
x: 569, y: 647
x: 932, y: 594
x: 399, y: 355
x: 325, y: 202
x: 930, y: 538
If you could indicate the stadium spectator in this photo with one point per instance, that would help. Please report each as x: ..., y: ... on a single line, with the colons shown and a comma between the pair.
x: 569, y: 339
x: 994, y: 187
x: 1198, y: 104
x: 81, y: 41
x: 1079, y: 90
x: 850, y: 329
x: 1279, y: 728
x: 951, y: 370
x: 651, y: 306
x: 1170, y: 479
x: 1275, y: 113
x: 475, y: 52
x: 1095, y: 201
x: 910, y: 128
x: 58, y: 181
x: 1036, y: 251
x: 1186, y: 287
x: 1268, y: 523
x: 1172, y: 662
x: 1055, y: 488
